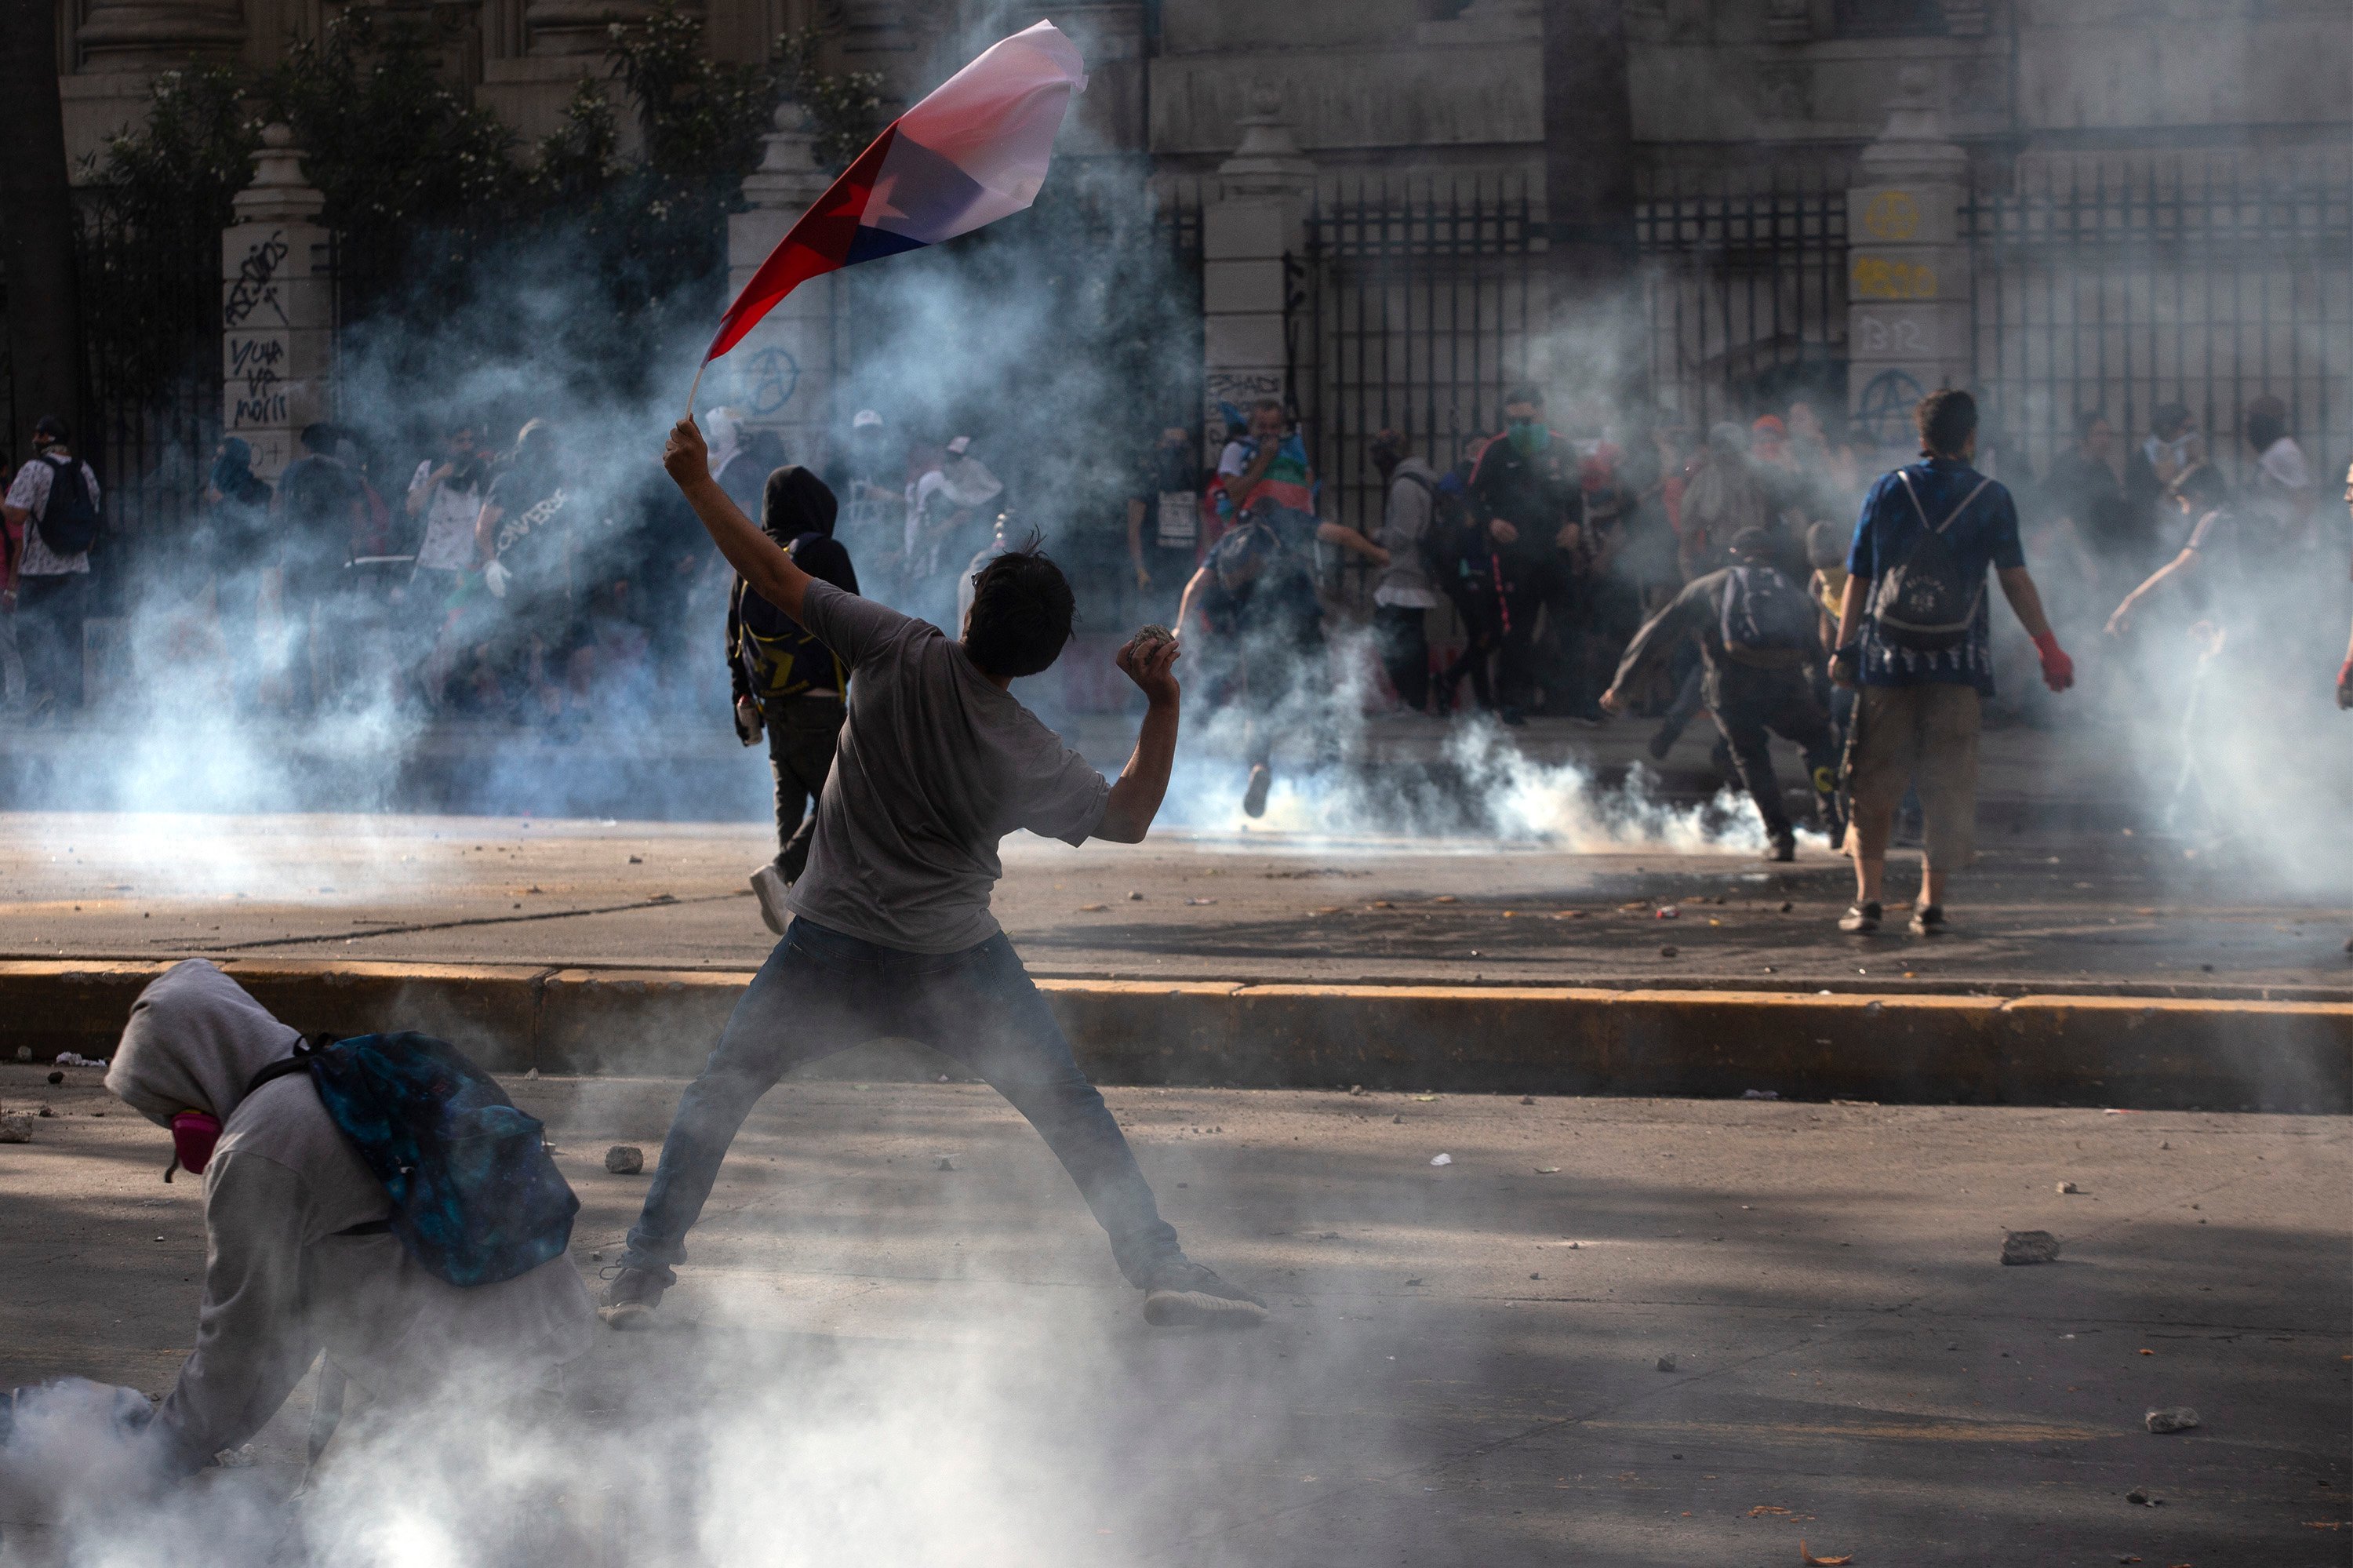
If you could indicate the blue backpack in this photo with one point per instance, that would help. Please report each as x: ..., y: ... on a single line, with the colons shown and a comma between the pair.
x: 475, y: 1197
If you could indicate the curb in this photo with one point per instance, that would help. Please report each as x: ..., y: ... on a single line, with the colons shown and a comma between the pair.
x: 2051, y: 1050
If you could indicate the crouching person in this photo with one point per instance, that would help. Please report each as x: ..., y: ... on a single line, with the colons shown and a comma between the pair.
x: 307, y: 1248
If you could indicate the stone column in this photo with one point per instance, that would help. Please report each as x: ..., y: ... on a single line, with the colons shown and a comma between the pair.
x: 1259, y: 217
x: 1907, y: 269
x: 277, y: 308
x: 782, y: 372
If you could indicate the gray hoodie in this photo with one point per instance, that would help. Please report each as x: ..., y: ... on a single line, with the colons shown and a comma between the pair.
x: 281, y: 1282
x: 1405, y: 582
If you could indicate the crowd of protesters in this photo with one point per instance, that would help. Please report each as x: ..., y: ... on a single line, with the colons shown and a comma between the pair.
x: 1744, y: 571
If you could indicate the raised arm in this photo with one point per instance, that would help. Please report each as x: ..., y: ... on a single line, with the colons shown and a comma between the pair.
x: 1136, y: 793
x: 760, y: 560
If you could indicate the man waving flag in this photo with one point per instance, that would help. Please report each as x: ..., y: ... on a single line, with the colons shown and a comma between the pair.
x: 973, y: 151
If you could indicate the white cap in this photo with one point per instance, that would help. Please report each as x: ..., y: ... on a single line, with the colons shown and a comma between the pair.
x: 961, y: 445
x: 864, y: 418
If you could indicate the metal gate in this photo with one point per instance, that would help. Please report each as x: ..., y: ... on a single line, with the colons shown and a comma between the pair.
x: 1415, y: 306
x: 151, y: 305
x: 2197, y: 281
x: 1746, y: 298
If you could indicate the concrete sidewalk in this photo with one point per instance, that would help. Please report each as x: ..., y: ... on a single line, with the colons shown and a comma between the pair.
x: 1462, y: 1369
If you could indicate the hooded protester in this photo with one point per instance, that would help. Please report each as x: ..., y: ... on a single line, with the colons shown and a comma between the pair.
x: 786, y: 682
x: 298, y: 1258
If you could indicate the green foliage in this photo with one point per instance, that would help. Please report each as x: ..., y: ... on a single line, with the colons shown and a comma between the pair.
x: 153, y: 207
x: 845, y: 110
x: 384, y: 138
x: 193, y: 153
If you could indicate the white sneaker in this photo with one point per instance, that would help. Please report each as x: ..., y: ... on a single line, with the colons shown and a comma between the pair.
x: 768, y: 886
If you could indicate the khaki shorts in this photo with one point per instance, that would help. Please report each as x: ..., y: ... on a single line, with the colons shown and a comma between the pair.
x: 1924, y: 737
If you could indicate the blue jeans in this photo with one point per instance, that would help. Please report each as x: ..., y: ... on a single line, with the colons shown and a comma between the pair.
x: 821, y: 992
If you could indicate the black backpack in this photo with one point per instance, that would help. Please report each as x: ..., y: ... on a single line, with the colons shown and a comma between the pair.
x: 1442, y: 542
x: 778, y: 655
x: 68, y: 520
x: 1766, y: 620
x: 1925, y: 600
x: 475, y: 1197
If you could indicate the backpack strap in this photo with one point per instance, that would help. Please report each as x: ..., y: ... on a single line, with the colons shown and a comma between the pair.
x: 304, y: 1049
x: 1949, y: 517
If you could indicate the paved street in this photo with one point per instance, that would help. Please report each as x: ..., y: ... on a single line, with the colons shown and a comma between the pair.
x: 2083, y: 909
x: 1461, y: 1368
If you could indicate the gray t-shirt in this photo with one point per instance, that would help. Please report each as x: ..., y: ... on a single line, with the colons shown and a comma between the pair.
x: 934, y: 765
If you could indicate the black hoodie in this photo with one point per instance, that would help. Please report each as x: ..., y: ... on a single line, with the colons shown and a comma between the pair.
x: 797, y: 511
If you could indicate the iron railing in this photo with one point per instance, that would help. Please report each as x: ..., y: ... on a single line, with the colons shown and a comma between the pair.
x: 2194, y: 279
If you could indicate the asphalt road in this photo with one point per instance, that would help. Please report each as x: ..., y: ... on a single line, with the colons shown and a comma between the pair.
x: 871, y: 1358
x: 2102, y: 909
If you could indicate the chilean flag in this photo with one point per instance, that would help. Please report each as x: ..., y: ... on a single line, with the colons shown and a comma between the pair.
x: 973, y: 151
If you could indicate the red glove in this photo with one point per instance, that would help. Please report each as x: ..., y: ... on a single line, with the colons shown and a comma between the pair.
x: 2058, y: 669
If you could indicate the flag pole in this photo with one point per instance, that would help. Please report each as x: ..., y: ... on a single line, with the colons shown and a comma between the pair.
x: 697, y: 386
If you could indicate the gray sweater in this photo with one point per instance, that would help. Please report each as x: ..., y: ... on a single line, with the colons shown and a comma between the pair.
x: 281, y: 1283
x: 1405, y: 582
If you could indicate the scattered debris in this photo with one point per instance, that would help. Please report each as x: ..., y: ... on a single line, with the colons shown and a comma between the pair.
x: 1536, y: 1277
x: 1446, y: 898
x: 1425, y: 1099
x: 234, y: 1458
x: 46, y: 1111
x: 1666, y: 1363
x: 1813, y: 1562
x: 56, y: 1077
x: 945, y: 1162
x: 24, y: 1053
x: 1398, y: 1121
x: 1760, y: 1094
x: 624, y: 1159
x: 2030, y: 1246
x: 1414, y: 1281
x: 1547, y: 1170
x: 1443, y: 1160
x: 1093, y: 908
x: 16, y: 1126
x: 2066, y: 1187
x: 1200, y: 901
x: 75, y: 1059
x: 1134, y: 896
x: 1668, y: 913
x: 1667, y: 952
x: 2143, y: 1500
x: 2173, y: 1418
x: 636, y: 860
x: 533, y: 1073
x: 1787, y: 906
x: 1357, y: 1090
x: 1528, y: 1099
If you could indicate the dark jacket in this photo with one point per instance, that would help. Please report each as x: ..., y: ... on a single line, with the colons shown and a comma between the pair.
x: 797, y: 511
x: 1535, y: 493
x: 1698, y: 610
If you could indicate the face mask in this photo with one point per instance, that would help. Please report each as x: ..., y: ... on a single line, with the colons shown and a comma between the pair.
x: 193, y: 1133
x: 1529, y: 437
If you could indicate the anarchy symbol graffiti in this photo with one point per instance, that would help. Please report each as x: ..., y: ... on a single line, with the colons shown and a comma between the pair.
x: 1884, y: 410
x: 774, y: 375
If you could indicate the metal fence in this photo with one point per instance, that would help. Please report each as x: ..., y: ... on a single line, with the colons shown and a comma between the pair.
x: 1745, y: 302
x: 2191, y: 281
x: 151, y: 305
x: 1414, y: 307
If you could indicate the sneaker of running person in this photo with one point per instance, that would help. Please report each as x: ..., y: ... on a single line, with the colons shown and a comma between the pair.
x: 769, y: 886
x: 1261, y: 780
x: 1927, y: 919
x: 1181, y: 1294
x: 1784, y: 843
x: 629, y: 1300
x: 1860, y: 919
